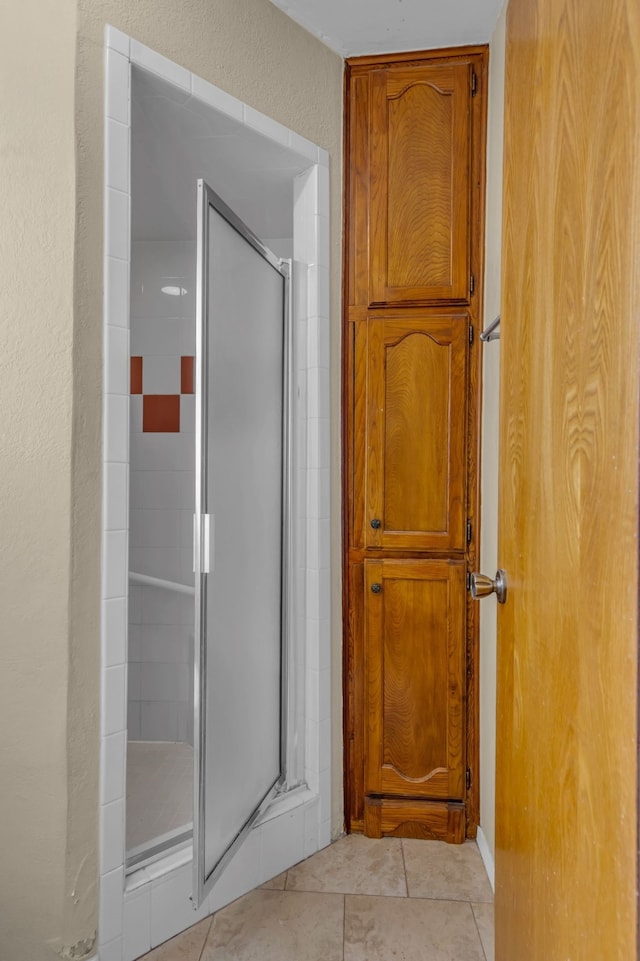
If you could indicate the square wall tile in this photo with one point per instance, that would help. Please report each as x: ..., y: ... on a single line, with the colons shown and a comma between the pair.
x: 137, y: 923
x: 171, y: 907
x: 116, y: 40
x: 114, y: 631
x: 306, y: 148
x: 282, y: 842
x: 241, y: 875
x: 161, y: 413
x: 111, y: 891
x: 117, y: 224
x: 135, y: 376
x: 111, y: 836
x: 116, y: 361
x: 114, y: 572
x: 217, y: 98
x: 116, y: 491
x: 156, y: 63
x: 112, y: 763
x: 111, y: 951
x: 116, y: 428
x: 116, y: 293
x: 117, y: 154
x: 187, y: 380
x: 117, y: 86
x: 161, y: 374
x: 113, y: 700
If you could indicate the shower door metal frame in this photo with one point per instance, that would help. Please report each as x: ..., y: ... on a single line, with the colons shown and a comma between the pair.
x: 203, y: 534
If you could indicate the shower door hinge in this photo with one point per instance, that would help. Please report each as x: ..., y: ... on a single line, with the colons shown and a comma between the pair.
x: 468, y: 778
x: 472, y: 284
x: 474, y: 83
x: 469, y: 532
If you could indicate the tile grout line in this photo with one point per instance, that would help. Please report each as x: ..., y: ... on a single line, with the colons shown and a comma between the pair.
x: 404, y: 866
x: 344, y: 923
x: 475, y: 921
x: 206, y: 937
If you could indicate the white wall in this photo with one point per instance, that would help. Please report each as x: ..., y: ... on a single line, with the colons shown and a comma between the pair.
x: 490, y: 417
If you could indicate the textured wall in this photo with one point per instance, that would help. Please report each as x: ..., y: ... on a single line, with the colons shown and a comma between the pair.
x: 490, y: 417
x: 50, y: 384
x: 37, y: 187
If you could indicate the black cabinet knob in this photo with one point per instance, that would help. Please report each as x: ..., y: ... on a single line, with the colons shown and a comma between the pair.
x: 376, y: 588
x: 376, y: 523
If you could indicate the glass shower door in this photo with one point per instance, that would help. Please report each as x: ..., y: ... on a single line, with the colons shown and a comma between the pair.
x: 240, y: 533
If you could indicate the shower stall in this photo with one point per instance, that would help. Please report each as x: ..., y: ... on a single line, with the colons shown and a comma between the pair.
x: 213, y: 675
x: 215, y: 694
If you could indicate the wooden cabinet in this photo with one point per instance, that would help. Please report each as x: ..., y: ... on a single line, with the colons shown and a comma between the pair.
x: 420, y: 182
x: 413, y: 288
x: 416, y: 431
x: 415, y: 678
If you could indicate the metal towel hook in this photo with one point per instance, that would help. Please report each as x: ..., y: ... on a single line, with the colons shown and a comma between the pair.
x: 492, y: 332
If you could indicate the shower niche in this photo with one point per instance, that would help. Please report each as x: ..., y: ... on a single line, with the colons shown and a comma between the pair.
x: 217, y: 448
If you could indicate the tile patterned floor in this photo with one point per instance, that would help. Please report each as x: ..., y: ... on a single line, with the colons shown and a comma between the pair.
x: 357, y: 900
x: 159, y: 790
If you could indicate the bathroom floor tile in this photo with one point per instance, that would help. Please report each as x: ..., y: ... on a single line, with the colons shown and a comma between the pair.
x: 278, y: 926
x: 450, y: 871
x: 353, y: 865
x: 184, y: 947
x: 378, y: 929
x: 483, y: 914
x: 277, y: 883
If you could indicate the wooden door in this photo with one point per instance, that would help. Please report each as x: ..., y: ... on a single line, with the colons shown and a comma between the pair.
x: 415, y: 678
x: 566, y: 841
x: 416, y: 393
x: 420, y: 183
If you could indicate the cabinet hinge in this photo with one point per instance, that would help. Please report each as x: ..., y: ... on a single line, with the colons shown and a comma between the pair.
x: 469, y: 532
x: 468, y: 778
x: 472, y: 284
x: 471, y: 335
x: 468, y: 580
x: 474, y: 83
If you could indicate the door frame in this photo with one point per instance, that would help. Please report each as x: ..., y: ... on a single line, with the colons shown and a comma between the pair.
x: 300, y: 823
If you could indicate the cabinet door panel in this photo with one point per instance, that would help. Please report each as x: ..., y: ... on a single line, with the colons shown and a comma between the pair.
x: 416, y: 433
x: 415, y: 671
x: 420, y: 184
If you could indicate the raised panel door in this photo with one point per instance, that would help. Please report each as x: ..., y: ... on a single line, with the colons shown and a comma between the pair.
x: 416, y: 432
x: 420, y: 183
x: 415, y: 678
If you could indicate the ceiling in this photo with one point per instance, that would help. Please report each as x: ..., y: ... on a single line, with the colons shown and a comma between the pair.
x: 176, y: 139
x: 353, y: 27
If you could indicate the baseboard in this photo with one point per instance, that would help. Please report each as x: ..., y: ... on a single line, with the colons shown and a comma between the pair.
x: 487, y: 857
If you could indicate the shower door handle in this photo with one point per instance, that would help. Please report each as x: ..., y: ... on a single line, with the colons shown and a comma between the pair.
x: 204, y: 542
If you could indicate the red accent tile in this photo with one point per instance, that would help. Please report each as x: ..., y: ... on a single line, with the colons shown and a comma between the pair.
x: 136, y: 375
x: 161, y: 413
x: 186, y: 375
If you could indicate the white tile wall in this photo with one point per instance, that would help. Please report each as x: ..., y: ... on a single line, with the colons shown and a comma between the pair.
x: 156, y: 906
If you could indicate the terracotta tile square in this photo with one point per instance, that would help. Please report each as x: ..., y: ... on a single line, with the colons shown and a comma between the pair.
x: 136, y: 375
x: 278, y: 926
x: 483, y: 914
x: 451, y: 871
x: 186, y: 375
x: 186, y: 946
x: 353, y: 865
x: 161, y: 413
x: 377, y: 929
